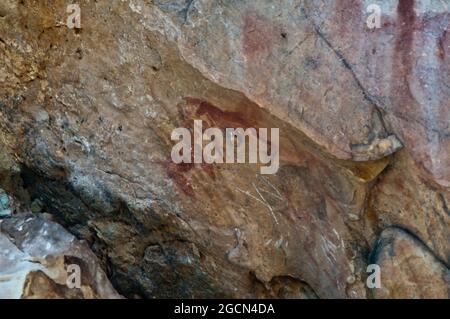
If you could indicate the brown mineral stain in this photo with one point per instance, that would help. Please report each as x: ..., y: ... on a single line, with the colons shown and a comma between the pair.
x: 407, y: 24
x: 209, y: 170
x: 347, y: 14
x: 368, y: 170
x: 178, y: 174
x: 372, y: 216
x: 248, y: 116
x: 212, y: 116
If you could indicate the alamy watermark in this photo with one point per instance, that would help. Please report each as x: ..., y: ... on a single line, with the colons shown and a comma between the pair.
x: 74, y: 17
x: 231, y: 148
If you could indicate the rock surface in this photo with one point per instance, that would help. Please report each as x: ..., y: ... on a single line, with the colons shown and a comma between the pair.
x: 87, y: 114
x: 36, y: 256
x: 409, y: 269
x: 5, y: 209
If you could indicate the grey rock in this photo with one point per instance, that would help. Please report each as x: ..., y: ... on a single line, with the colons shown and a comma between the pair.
x: 5, y: 212
x: 35, y: 255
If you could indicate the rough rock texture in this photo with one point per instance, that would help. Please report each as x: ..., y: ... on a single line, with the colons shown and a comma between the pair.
x: 34, y: 257
x: 409, y: 269
x: 86, y: 118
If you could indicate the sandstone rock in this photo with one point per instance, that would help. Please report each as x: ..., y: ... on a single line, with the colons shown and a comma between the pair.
x: 36, y: 206
x: 5, y: 208
x: 346, y: 86
x: 409, y: 269
x: 402, y: 198
x: 87, y: 114
x: 35, y: 260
